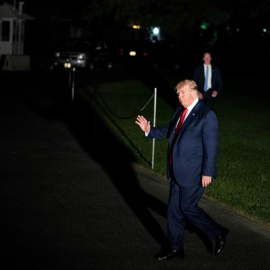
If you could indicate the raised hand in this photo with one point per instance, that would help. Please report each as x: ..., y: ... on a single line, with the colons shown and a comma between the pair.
x: 143, y: 123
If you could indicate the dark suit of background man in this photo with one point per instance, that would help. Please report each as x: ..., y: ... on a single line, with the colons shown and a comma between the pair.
x: 191, y: 164
x: 209, y: 89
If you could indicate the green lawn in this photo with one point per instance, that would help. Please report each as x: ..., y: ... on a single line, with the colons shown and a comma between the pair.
x: 244, y: 144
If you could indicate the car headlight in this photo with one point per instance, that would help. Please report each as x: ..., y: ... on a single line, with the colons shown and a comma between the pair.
x: 82, y: 56
x: 132, y: 53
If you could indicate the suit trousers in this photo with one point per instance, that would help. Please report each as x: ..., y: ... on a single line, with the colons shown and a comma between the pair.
x: 183, y: 204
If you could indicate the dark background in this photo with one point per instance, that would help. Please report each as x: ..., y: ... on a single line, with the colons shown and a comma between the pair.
x: 235, y: 32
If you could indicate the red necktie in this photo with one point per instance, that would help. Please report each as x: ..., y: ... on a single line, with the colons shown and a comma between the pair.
x: 179, y: 125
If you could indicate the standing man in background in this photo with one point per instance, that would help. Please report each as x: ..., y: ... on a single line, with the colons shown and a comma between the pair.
x: 209, y: 81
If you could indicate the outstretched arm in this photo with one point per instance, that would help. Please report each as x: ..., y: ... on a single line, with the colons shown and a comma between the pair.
x: 143, y: 123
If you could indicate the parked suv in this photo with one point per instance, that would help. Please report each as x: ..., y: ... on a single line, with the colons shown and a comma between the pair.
x: 83, y: 54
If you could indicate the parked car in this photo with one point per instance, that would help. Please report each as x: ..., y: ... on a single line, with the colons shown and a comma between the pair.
x: 142, y: 52
x: 83, y: 54
x: 134, y: 53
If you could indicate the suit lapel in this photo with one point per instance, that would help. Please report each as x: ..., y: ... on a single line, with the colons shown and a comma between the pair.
x: 190, y: 118
x: 186, y: 123
x: 177, y: 116
x: 175, y: 121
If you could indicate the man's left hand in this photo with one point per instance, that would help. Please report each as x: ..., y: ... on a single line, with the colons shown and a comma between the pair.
x: 206, y: 180
x: 214, y: 93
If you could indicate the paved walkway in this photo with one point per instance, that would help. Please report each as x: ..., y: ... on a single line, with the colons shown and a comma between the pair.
x: 64, y: 206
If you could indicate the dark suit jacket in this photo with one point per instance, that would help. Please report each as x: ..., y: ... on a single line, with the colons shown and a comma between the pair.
x: 199, y: 78
x: 195, y: 150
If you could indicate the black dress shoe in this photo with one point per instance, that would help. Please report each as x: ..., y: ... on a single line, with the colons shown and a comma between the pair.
x: 220, y: 241
x: 165, y: 255
x: 219, y: 244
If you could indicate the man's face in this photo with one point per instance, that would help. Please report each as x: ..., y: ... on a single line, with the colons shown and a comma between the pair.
x: 186, y: 96
x: 207, y: 58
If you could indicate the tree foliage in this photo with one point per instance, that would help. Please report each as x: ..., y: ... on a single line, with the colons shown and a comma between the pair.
x: 174, y: 16
x: 180, y: 20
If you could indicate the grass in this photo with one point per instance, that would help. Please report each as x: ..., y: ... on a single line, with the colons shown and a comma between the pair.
x: 244, y: 149
x: 243, y: 113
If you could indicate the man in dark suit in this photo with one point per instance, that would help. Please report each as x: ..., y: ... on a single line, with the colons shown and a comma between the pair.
x: 191, y: 165
x: 209, y: 80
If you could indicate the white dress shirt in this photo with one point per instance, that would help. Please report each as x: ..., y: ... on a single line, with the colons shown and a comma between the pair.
x: 209, y: 75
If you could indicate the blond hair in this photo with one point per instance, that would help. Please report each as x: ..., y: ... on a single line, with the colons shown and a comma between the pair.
x: 191, y: 85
